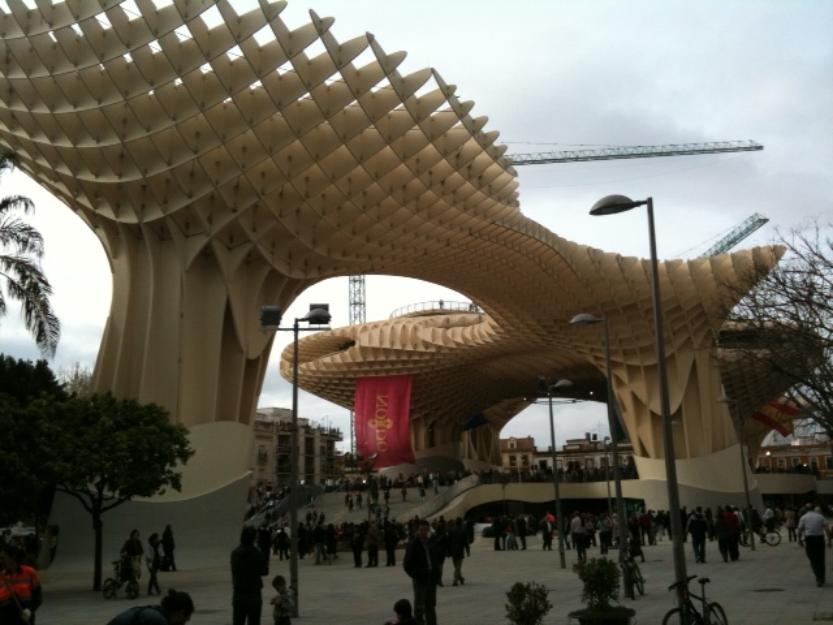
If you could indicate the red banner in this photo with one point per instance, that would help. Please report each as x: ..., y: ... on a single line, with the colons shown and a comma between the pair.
x: 382, y: 412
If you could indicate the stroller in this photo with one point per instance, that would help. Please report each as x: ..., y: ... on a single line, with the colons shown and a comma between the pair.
x: 122, y: 576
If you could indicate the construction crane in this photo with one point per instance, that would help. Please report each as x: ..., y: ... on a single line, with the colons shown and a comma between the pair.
x: 357, y: 294
x: 737, y: 234
x: 633, y: 151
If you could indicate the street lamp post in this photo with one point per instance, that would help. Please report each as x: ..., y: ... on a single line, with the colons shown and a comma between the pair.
x: 743, y: 464
x: 588, y: 319
x: 610, y: 205
x: 542, y: 381
x: 606, y: 443
x: 270, y: 318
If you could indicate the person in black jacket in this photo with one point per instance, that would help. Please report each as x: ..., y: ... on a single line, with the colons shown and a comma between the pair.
x: 420, y: 566
x: 248, y: 565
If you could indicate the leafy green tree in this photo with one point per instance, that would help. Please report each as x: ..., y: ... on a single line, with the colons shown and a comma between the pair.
x: 105, y: 451
x: 26, y: 495
x: 21, y: 276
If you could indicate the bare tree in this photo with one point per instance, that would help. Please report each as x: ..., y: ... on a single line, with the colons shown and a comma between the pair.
x: 788, y: 319
x: 77, y: 380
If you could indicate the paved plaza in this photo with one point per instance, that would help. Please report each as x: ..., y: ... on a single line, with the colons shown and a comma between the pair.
x: 771, y: 586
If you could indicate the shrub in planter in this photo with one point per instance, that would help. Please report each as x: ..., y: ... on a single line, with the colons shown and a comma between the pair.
x: 527, y: 603
x: 600, y: 577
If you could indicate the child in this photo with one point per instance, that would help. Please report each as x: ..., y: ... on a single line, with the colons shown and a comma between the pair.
x: 282, y: 601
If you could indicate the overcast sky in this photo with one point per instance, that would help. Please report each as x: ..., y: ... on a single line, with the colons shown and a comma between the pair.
x: 566, y: 73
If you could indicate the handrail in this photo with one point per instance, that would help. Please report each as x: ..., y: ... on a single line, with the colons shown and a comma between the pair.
x: 439, y: 502
x: 436, y: 306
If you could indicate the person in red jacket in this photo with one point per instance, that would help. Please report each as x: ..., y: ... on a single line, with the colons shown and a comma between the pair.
x: 20, y: 589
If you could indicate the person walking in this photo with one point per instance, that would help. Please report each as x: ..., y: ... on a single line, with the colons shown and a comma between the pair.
x: 175, y: 608
x: 790, y: 522
x: 154, y: 562
x: 522, y: 531
x: 133, y: 551
x: 248, y: 565
x: 372, y: 544
x: 698, y: 528
x: 723, y: 533
x: 577, y: 532
x: 391, y: 539
x: 168, y: 548
x: 546, y: 531
x: 20, y: 589
x: 420, y: 566
x: 457, y: 549
x: 811, y: 531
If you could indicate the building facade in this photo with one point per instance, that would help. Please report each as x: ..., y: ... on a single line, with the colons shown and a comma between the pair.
x: 807, y: 450
x: 272, y: 449
x: 577, y: 455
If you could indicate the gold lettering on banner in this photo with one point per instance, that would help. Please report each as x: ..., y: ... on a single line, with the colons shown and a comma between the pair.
x: 380, y: 422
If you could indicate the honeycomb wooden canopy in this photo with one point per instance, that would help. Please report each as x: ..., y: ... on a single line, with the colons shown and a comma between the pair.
x: 229, y: 163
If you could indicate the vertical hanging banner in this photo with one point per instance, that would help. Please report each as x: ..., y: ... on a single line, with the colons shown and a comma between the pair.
x: 382, y: 413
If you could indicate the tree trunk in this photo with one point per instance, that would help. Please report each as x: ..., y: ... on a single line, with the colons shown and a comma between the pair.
x: 97, y: 527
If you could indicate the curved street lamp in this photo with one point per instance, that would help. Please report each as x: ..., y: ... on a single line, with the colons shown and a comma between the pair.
x: 588, y: 319
x: 270, y: 319
x: 545, y: 386
x: 610, y: 205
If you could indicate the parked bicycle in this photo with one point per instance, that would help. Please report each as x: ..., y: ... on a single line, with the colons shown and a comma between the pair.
x: 632, y: 577
x: 711, y: 613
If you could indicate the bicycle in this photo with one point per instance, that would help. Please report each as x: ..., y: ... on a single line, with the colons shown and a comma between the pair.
x: 122, y: 576
x: 633, y: 576
x: 712, y: 613
x: 770, y: 537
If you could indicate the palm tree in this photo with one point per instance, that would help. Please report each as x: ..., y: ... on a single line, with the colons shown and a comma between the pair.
x: 21, y: 276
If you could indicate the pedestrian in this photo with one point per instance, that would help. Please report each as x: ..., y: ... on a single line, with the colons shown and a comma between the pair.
x: 175, y: 608
x: 357, y: 543
x: 372, y: 544
x: 281, y: 602
x: 723, y: 533
x: 577, y: 532
x: 248, y: 565
x: 546, y: 531
x: 811, y: 531
x: 522, y: 531
x: 404, y: 615
x: 421, y: 568
x: 457, y: 549
x: 391, y: 538
x: 282, y: 543
x: 698, y: 528
x: 168, y: 547
x: 20, y: 590
x: 790, y: 522
x: 133, y: 551
x: 154, y: 562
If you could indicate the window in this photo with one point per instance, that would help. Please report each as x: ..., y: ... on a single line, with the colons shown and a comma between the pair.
x: 781, y: 463
x: 512, y: 443
x: 524, y: 460
x: 513, y: 461
x: 828, y: 462
x: 795, y: 461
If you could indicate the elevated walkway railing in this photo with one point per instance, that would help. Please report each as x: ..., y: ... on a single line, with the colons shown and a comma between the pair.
x: 439, y: 502
x: 281, y: 508
x: 435, y: 307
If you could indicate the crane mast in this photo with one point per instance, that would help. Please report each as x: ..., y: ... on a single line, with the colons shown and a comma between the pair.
x: 633, y: 151
x: 357, y: 300
x: 737, y: 234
